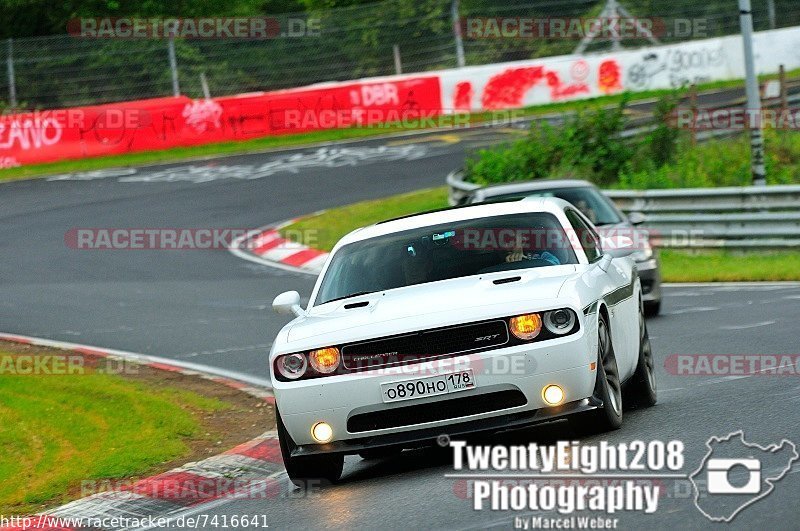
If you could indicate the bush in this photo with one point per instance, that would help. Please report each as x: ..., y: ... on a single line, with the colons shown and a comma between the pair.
x: 720, y: 163
x: 589, y: 146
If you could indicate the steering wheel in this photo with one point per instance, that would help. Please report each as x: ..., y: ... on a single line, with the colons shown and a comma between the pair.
x: 522, y: 264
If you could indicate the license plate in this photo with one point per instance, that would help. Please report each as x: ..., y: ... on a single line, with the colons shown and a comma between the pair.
x: 431, y: 386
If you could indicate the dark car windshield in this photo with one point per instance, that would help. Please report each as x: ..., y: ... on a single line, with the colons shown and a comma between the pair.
x: 441, y: 252
x: 590, y: 201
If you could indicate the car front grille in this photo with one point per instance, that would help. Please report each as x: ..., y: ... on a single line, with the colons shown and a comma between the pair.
x: 426, y: 344
x: 436, y: 411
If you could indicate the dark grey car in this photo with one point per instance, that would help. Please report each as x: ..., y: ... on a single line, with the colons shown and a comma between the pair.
x: 599, y: 209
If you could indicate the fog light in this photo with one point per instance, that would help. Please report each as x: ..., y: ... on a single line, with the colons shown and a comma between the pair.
x: 553, y: 395
x: 322, y: 432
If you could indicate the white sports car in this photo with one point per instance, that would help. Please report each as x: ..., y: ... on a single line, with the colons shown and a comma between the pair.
x: 472, y: 319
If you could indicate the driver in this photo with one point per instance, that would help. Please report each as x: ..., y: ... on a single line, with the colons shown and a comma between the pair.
x: 417, y: 266
x: 587, y: 211
x: 518, y: 254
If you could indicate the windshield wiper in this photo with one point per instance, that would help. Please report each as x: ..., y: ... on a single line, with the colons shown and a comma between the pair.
x: 356, y: 294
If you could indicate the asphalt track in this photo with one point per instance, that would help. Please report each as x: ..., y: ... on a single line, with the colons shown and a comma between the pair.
x: 211, y: 308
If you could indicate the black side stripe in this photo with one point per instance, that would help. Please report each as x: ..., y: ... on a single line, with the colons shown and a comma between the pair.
x: 614, y: 297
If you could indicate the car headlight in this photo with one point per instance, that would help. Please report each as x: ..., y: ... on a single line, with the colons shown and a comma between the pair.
x: 646, y: 253
x: 292, y: 366
x: 325, y: 360
x: 559, y: 322
x: 526, y: 327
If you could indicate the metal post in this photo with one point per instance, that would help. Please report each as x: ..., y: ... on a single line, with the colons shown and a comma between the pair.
x: 616, y: 38
x: 693, y: 107
x: 753, y: 98
x: 398, y: 65
x: 771, y: 11
x: 12, y: 85
x: 611, y: 11
x: 173, y: 65
x: 784, y: 90
x: 204, y: 85
x: 454, y: 9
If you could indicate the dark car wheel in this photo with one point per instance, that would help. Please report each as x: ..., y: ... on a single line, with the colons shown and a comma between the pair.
x: 607, y: 388
x: 303, y: 471
x: 652, y: 308
x: 642, y: 387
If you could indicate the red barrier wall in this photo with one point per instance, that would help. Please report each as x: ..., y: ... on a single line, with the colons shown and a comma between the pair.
x: 164, y: 123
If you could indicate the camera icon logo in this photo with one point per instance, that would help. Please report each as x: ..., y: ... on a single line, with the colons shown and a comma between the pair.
x: 720, y: 472
x: 735, y: 474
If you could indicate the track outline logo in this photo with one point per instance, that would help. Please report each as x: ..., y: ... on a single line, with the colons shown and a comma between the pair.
x: 770, y: 480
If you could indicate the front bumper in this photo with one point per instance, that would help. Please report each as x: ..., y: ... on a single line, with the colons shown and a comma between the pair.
x: 430, y: 436
x: 524, y: 369
x: 650, y: 275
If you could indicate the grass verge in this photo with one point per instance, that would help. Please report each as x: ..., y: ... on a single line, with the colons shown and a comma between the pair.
x: 286, y: 141
x: 727, y: 266
x: 61, y: 430
x: 323, y: 230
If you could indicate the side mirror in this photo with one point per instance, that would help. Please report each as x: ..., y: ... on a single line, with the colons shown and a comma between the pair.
x: 288, y: 303
x: 636, y: 218
x: 618, y: 246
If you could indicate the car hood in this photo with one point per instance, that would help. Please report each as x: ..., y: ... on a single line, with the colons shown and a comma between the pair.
x: 429, y: 305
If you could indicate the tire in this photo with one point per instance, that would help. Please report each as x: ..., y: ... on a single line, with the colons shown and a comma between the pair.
x: 607, y: 387
x: 312, y: 469
x: 642, y: 389
x: 652, y: 308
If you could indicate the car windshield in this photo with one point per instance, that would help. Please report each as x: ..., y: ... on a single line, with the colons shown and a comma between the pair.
x: 447, y: 251
x: 590, y: 201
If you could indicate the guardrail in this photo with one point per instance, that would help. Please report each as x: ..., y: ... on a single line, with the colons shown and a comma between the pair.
x: 749, y: 217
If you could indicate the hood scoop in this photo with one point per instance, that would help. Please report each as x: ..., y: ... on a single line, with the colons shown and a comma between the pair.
x: 507, y: 280
x: 352, y: 305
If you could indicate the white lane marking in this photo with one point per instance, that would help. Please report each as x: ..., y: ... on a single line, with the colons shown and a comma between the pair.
x: 770, y: 284
x: 747, y: 326
x: 792, y: 297
x: 724, y: 379
x: 321, y: 158
x: 228, y: 350
x: 693, y: 310
x: 145, y: 359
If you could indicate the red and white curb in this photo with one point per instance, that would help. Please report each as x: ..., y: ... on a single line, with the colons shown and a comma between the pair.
x: 250, y: 470
x: 265, y: 246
